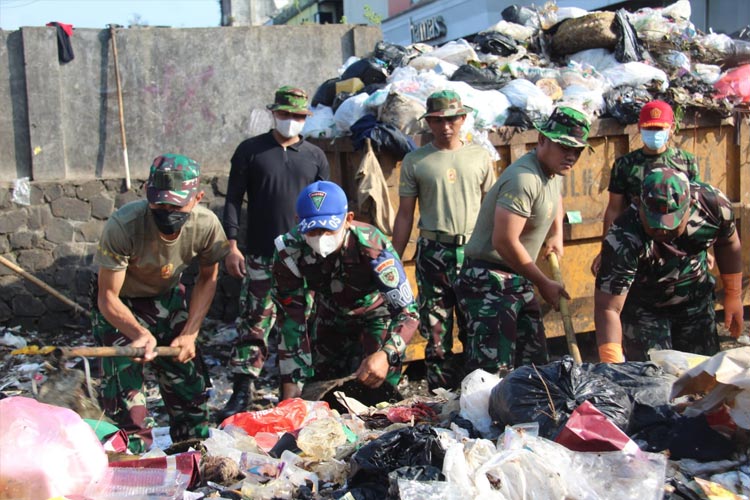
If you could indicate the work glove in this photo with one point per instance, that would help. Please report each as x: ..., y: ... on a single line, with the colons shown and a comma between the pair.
x: 611, y: 352
x: 733, y: 303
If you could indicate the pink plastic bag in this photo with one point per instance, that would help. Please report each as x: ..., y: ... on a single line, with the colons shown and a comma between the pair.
x: 735, y: 84
x: 46, y: 451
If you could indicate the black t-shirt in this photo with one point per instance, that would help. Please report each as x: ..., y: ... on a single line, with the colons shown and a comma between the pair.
x: 272, y: 177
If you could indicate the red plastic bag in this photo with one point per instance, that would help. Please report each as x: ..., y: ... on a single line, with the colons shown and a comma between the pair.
x: 286, y: 416
x: 735, y: 84
x: 588, y: 429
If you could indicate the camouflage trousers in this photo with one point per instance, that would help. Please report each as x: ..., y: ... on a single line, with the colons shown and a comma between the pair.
x: 337, y: 345
x: 256, y: 318
x: 503, y: 320
x: 183, y: 386
x: 690, y: 327
x: 438, y: 266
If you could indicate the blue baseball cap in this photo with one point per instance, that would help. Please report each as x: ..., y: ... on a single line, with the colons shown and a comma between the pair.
x: 321, y: 205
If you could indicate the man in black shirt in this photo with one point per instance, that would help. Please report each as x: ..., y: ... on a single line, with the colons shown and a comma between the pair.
x: 272, y: 169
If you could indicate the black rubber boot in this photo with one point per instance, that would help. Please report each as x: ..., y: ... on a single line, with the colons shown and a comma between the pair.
x: 241, y: 396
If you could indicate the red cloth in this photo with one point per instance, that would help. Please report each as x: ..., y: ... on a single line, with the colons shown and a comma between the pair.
x: 67, y: 28
x: 588, y: 429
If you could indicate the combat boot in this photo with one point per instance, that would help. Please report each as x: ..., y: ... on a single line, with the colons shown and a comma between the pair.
x: 241, y: 396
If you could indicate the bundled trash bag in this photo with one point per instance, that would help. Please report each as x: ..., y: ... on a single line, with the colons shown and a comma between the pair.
x: 481, y: 78
x: 412, y: 473
x: 645, y: 382
x: 394, y: 56
x: 384, y: 136
x: 517, y: 117
x: 628, y: 47
x: 326, y: 93
x: 550, y: 393
x: 369, y: 70
x: 493, y: 42
x: 624, y: 103
x: 595, y: 30
x: 409, y: 446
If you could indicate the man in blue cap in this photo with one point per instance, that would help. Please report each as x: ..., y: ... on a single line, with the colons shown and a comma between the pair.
x: 365, y: 309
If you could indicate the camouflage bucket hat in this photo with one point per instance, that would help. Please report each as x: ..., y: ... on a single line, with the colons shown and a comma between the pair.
x: 567, y: 126
x: 665, y: 197
x: 445, y: 103
x: 290, y: 99
x: 173, y: 180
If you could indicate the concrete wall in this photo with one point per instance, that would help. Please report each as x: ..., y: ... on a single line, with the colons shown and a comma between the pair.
x: 191, y: 91
x: 198, y: 92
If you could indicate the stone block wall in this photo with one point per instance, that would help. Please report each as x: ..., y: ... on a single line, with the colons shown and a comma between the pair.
x: 54, y: 238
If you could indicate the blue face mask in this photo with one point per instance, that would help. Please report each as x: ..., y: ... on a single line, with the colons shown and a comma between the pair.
x: 655, y: 139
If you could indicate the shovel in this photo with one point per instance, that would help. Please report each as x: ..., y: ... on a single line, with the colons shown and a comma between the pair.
x: 96, y: 352
x: 570, y: 333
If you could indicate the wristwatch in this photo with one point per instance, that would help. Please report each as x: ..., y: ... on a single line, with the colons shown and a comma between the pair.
x: 394, y: 358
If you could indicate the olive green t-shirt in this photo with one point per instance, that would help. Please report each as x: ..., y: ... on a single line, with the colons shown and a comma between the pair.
x: 130, y: 241
x: 524, y: 189
x: 449, y: 185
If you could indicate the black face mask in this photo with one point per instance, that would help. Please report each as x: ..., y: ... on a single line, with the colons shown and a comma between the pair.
x: 169, y: 222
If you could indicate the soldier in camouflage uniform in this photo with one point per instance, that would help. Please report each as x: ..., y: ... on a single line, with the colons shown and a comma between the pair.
x: 656, y: 124
x: 365, y: 311
x: 522, y: 211
x: 144, y: 248
x: 270, y: 170
x: 449, y: 179
x: 655, y: 255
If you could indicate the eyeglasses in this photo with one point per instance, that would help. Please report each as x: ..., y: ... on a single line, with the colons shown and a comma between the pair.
x: 441, y: 119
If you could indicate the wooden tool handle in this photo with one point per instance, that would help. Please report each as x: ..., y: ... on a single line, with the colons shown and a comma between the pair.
x: 570, y: 333
x: 113, y: 351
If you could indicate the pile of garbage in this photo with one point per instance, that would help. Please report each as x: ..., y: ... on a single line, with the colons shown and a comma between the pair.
x: 515, y: 72
x: 676, y: 427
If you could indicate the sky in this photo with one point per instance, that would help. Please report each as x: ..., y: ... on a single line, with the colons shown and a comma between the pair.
x: 99, y: 13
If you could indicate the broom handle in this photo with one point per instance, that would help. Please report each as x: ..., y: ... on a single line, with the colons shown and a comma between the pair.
x: 113, y: 351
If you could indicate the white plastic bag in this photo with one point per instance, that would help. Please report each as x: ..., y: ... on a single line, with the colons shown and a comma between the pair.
x: 599, y: 59
x: 475, y: 399
x: 320, y: 124
x: 525, y: 95
x: 591, y: 101
x: 349, y: 112
x: 457, y: 52
x: 635, y: 74
x: 516, y: 31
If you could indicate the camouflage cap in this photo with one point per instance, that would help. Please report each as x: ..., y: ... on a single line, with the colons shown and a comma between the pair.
x: 290, y: 99
x: 445, y: 103
x: 567, y: 126
x: 173, y: 180
x: 665, y: 197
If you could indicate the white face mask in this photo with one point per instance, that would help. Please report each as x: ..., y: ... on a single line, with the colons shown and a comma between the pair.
x: 325, y: 244
x: 289, y: 128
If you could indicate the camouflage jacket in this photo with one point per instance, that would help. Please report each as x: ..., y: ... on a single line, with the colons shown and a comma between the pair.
x: 665, y: 274
x: 629, y: 170
x: 363, y: 276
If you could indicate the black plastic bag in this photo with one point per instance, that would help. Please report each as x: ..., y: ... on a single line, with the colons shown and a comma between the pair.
x: 549, y: 394
x: 339, y: 99
x: 521, y: 15
x: 624, y: 103
x: 628, y: 47
x: 493, y: 42
x: 326, y: 93
x: 480, y: 78
x: 742, y: 34
x: 410, y: 446
x: 517, y: 117
x: 384, y: 136
x: 646, y: 383
x: 369, y: 70
x: 394, y: 56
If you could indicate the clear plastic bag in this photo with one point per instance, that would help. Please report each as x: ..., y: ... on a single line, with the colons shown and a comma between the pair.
x: 475, y: 399
x: 21, y: 191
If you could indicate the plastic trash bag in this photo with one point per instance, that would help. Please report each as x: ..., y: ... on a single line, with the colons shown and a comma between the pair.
x: 636, y: 74
x: 326, y: 93
x: 517, y: 32
x: 624, y: 103
x: 21, y: 191
x: 369, y: 70
x: 404, y: 113
x: 475, y: 399
x: 525, y: 95
x: 480, y: 78
x: 320, y: 124
x: 410, y: 446
x: 46, y: 451
x: 457, y: 52
x: 351, y: 110
x: 524, y: 16
x: 628, y: 47
x: 496, y: 43
x: 548, y: 395
x: 584, y: 98
x: 734, y: 84
x: 394, y: 56
x: 288, y: 415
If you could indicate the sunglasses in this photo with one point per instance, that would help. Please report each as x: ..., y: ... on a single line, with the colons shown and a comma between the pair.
x: 441, y: 119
